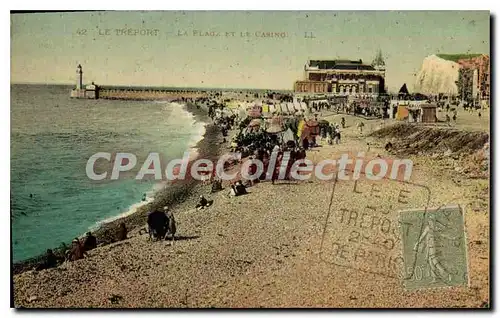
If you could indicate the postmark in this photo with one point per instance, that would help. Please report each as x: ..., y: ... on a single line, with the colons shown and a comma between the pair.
x: 362, y: 229
x: 434, y: 247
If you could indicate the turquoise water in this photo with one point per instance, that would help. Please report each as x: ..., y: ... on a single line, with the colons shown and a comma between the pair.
x: 52, y: 137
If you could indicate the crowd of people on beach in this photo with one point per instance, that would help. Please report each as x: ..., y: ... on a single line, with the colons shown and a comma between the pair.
x: 331, y: 133
x: 79, y: 248
x: 258, y: 145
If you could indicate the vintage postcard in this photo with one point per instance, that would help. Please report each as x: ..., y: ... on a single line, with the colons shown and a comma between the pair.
x: 250, y: 159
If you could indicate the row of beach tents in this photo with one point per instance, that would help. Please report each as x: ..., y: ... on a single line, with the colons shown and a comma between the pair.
x: 285, y: 108
x: 257, y: 109
x: 275, y: 125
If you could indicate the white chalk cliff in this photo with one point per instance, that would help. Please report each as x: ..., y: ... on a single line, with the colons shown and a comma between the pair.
x: 437, y: 75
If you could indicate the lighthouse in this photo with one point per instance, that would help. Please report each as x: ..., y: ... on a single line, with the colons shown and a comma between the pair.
x: 90, y: 91
x: 79, y: 77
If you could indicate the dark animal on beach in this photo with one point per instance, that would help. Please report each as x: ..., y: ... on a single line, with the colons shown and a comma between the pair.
x: 157, y: 224
x: 90, y: 242
x: 122, y: 232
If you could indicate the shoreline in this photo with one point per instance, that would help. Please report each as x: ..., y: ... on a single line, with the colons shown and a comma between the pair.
x: 168, y: 193
x: 243, y: 250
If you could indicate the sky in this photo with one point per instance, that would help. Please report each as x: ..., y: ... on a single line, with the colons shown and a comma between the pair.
x: 199, y: 48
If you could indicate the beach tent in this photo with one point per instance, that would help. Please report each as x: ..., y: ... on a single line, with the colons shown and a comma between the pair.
x: 272, y: 109
x: 232, y: 104
x: 300, y: 127
x: 277, y: 108
x: 282, y: 109
x: 265, y: 108
x: 303, y: 106
x: 253, y: 126
x: 308, y: 128
x: 254, y: 123
x: 242, y: 113
x: 254, y: 111
x: 291, y: 110
x: 287, y: 108
x: 287, y: 136
x: 402, y: 112
x: 245, y: 105
x: 242, y: 106
x: 275, y: 125
x: 296, y: 106
x: 265, y: 111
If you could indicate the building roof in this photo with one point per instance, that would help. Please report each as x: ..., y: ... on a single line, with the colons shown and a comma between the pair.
x: 403, y: 90
x: 379, y: 59
x: 340, y: 65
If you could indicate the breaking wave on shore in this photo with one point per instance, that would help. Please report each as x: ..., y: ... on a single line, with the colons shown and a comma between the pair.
x: 198, y: 135
x: 52, y: 199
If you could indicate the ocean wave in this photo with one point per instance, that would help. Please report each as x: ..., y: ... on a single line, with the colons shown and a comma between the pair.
x: 56, y: 181
x: 197, y: 136
x: 131, y: 209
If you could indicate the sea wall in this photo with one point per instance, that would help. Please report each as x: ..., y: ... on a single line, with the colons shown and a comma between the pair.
x: 131, y: 94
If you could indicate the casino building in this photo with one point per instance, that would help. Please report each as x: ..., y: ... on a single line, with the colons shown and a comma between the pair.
x: 343, y: 77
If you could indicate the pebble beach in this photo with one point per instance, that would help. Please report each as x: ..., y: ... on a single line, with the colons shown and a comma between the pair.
x: 263, y: 249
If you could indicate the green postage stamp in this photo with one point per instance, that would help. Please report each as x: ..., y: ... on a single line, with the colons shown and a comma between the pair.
x: 434, y: 247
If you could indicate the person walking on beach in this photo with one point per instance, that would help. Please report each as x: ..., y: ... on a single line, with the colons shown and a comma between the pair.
x: 360, y: 127
x: 323, y: 133
x: 337, y: 134
x: 276, y: 172
x: 305, y: 143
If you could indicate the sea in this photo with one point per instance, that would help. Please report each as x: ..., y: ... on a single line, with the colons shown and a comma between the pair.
x: 52, y: 137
